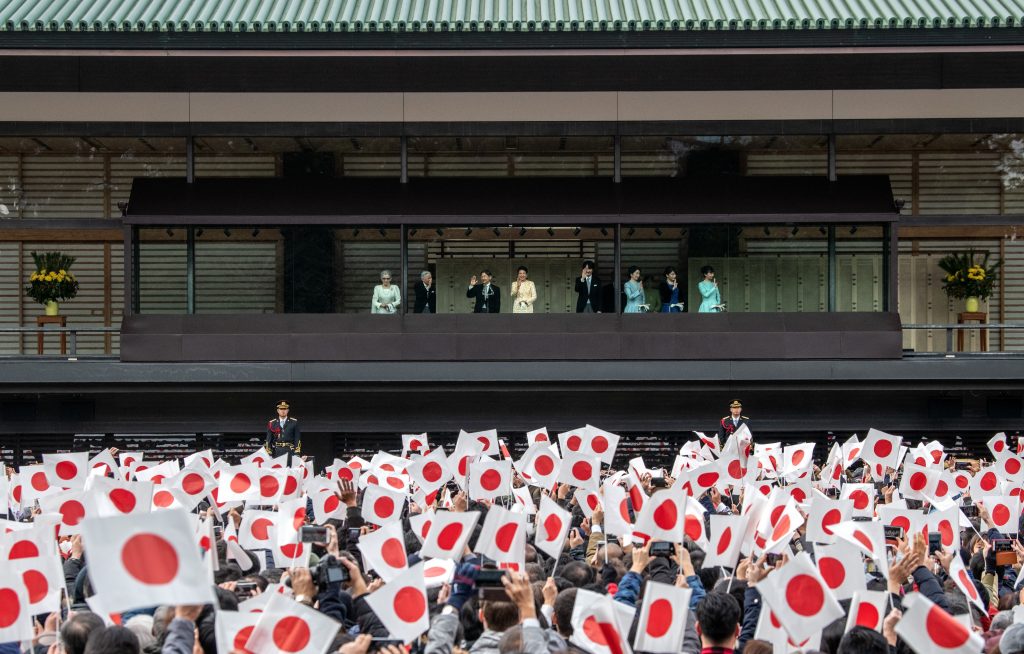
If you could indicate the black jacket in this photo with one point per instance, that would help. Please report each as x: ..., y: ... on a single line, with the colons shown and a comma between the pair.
x: 726, y: 428
x: 666, y: 292
x: 279, y: 440
x: 594, y: 294
x: 426, y: 299
x: 493, y: 302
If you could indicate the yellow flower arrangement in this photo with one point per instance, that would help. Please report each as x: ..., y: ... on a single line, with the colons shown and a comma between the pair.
x: 52, y: 281
x: 965, y: 278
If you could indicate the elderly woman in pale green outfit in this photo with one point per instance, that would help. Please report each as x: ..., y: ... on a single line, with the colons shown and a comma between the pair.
x: 711, y: 300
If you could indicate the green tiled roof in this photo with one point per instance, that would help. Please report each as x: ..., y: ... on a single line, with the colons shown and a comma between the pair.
x: 497, y: 15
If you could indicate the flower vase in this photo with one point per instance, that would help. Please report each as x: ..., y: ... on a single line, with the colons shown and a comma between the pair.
x: 52, y: 308
x: 971, y: 304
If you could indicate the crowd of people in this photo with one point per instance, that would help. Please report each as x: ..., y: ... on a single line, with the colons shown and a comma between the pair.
x: 641, y: 293
x: 731, y: 547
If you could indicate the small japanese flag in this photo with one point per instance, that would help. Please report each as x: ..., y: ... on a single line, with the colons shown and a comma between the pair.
x: 863, y: 498
x: 414, y: 442
x: 137, y: 561
x: 103, y: 464
x: 662, y: 517
x: 257, y: 530
x: 287, y: 626
x: 842, y: 568
x: 384, y: 551
x: 552, y: 526
x: 114, y: 497
x: 538, y: 436
x: 67, y: 470
x: 489, y: 479
x: 868, y: 609
x: 928, y: 629
x: 233, y: 628
x: 381, y: 506
x: 15, y: 616
x: 726, y: 533
x: 600, y: 624
x: 447, y: 534
x: 824, y: 515
x: 239, y: 483
x: 580, y: 470
x: 798, y: 595
x: 539, y: 466
x: 44, y: 580
x: 430, y: 472
x: 985, y: 483
x: 958, y: 573
x: 401, y: 605
x: 503, y: 537
x: 881, y: 448
x: 662, y: 619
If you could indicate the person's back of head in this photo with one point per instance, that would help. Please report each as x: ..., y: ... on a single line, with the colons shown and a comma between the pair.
x: 718, y: 620
x: 74, y: 634
x: 1012, y: 640
x: 112, y: 640
x: 511, y: 641
x: 833, y: 633
x: 564, y: 602
x: 861, y: 640
x: 579, y: 573
x: 499, y: 616
x: 757, y: 647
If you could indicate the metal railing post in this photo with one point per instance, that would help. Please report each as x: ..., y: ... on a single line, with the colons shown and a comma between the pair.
x: 949, y: 340
x: 73, y: 347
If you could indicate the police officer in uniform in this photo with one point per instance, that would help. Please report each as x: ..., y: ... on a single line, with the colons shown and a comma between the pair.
x: 732, y: 422
x: 283, y: 434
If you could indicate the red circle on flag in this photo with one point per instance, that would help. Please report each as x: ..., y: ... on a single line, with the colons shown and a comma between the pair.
x: 193, y: 483
x: 449, y: 536
x: 781, y: 528
x: 259, y: 528
x: 659, y: 618
x: 23, y: 549
x: 724, y: 540
x: 10, y: 607
x: 415, y: 445
x: 393, y: 553
x: 863, y: 539
x: 694, y: 527
x: 425, y: 529
x: 505, y: 536
x: 66, y: 470
x: 902, y: 521
x: 240, y: 483
x: 39, y: 482
x: 599, y: 444
x: 592, y: 501
x: 707, y: 479
x: 409, y: 604
x: 867, y: 615
x: 582, y: 470
x: 544, y: 465
x: 483, y: 440
x: 624, y: 510
x: 1012, y: 466
x: 999, y: 446
x: 16, y: 493
x: 666, y: 515
x: 292, y: 550
x: 776, y: 513
x: 944, y: 630
x: 435, y: 571
x: 150, y: 558
x: 804, y: 595
x: 291, y: 484
x: 941, y: 489
x: 432, y: 471
x: 552, y: 527
x: 1000, y: 514
x: 372, y: 479
x: 298, y: 518
x: 882, y: 449
x: 242, y: 637
x: 345, y: 473
x: 331, y: 504
x: 463, y: 462
x: 946, y: 529
x: 36, y: 585
x: 71, y: 512
x: 396, y: 482
x: 968, y: 584
x: 735, y: 469
x: 163, y: 499
x: 269, y: 486
x: 291, y: 634
x: 595, y: 630
x: 573, y: 443
x: 860, y: 499
x: 988, y: 481
x: 799, y: 495
x: 832, y: 571
x: 918, y: 481
x: 490, y: 480
x: 798, y: 456
x: 384, y: 507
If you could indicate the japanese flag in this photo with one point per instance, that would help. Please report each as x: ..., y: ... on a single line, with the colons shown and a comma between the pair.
x: 326, y: 505
x: 448, y: 533
x: 637, y: 494
x: 868, y: 609
x: 256, y: 531
x: 573, y: 441
x: 73, y: 506
x: 580, y: 470
x: 552, y: 526
x: 44, y: 580
x: 985, y: 482
x: 414, y: 442
x: 539, y: 466
x: 28, y: 542
x: 798, y: 595
x: 159, y: 472
x: 662, y: 618
x: 725, y: 541
x: 863, y: 497
x: 881, y: 448
x: 194, y: 483
x: 1004, y: 511
x: 693, y: 523
x: 137, y: 561
x: 489, y: 479
x: 867, y: 537
x: 911, y: 520
x: 842, y: 568
x: 588, y: 501
x: 437, y: 572
x: 602, y: 443
x: 15, y: 615
x: 538, y: 436
x: 239, y: 483
x: 233, y: 628
x: 662, y: 517
x: 961, y: 481
x: 401, y: 605
x: 487, y: 440
x: 600, y: 624
x: 998, y: 444
x: 503, y: 537
x: 67, y: 470
x: 35, y: 483
x: 200, y: 460
x: 797, y: 460
x: 381, y: 506
x: 711, y: 442
x: 287, y: 626
x: 129, y: 459
x: 826, y: 513
x: 616, y: 509
x: 918, y: 482
x: 958, y: 573
x: 430, y: 472
x: 947, y: 522
x: 784, y: 527
x: 103, y: 465
x: 704, y: 477
x: 1009, y: 468
x: 928, y: 629
x: 384, y: 551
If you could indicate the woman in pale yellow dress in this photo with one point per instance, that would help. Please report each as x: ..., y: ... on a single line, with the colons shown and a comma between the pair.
x: 524, y: 292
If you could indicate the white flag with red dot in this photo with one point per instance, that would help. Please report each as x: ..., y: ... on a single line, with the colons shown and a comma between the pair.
x: 145, y: 560
x: 68, y: 470
x: 233, y: 628
x: 381, y: 505
x: 238, y: 483
x: 447, y: 534
x: 580, y: 470
x: 842, y: 568
x: 256, y: 531
x: 287, y: 626
x: 503, y: 536
x: 662, y: 517
x: 958, y: 573
x: 384, y: 551
x: 539, y: 465
x: 551, y: 527
x: 73, y: 506
x: 825, y: 514
x: 726, y: 533
x: 881, y: 448
x: 489, y: 479
x: 928, y: 629
x: 662, y: 620
x: 801, y: 599
x: 868, y: 609
x: 430, y: 472
x: 401, y: 605
x: 15, y: 612
x: 600, y: 624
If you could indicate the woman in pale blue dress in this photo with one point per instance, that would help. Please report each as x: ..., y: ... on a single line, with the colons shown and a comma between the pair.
x: 711, y: 300
x: 634, y: 290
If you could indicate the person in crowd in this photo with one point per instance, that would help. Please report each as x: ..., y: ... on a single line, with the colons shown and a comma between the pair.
x: 634, y: 290
x: 486, y: 296
x: 524, y: 292
x: 652, y: 294
x: 588, y: 290
x: 711, y: 299
x: 426, y: 294
x: 732, y: 422
x: 670, y: 292
x: 283, y: 435
x: 386, y: 296
x: 114, y: 639
x: 718, y: 623
x: 74, y: 634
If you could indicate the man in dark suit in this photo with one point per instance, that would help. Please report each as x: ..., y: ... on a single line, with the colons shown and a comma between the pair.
x: 283, y: 435
x: 732, y: 422
x: 486, y: 294
x: 588, y: 290
x: 426, y: 294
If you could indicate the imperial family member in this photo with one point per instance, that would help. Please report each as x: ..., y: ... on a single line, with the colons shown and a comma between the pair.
x: 283, y: 436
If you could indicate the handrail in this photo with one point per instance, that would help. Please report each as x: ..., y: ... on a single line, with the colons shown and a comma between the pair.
x: 951, y: 327
x: 56, y: 329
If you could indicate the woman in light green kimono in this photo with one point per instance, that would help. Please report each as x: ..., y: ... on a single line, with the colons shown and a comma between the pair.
x: 711, y: 300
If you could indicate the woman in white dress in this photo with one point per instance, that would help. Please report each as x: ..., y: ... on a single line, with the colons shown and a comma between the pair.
x: 524, y: 292
x: 386, y: 298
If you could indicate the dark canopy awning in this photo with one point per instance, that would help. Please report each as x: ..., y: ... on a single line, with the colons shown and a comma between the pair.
x: 548, y: 201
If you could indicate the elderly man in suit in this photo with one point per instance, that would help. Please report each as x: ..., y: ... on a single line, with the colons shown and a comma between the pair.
x: 426, y: 294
